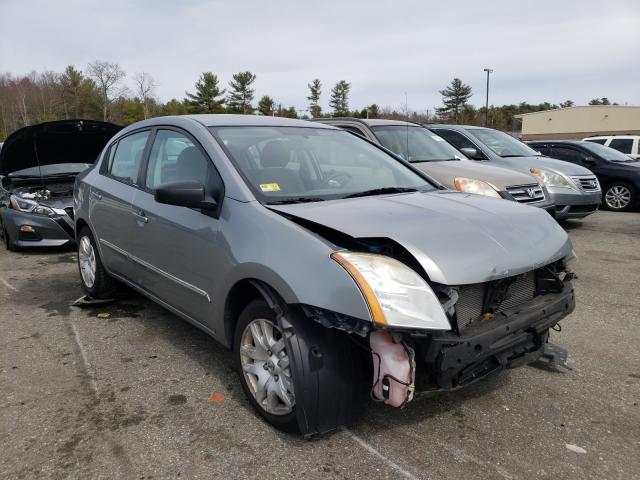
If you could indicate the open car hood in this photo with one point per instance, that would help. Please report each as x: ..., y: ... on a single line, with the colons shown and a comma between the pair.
x: 457, y: 238
x: 64, y: 141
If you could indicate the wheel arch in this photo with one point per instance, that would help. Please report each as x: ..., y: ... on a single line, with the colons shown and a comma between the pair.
x: 240, y: 295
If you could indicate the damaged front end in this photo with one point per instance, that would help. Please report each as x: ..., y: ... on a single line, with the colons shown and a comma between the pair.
x: 487, y: 327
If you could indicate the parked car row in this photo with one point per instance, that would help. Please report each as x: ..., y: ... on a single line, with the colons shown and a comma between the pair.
x: 336, y: 265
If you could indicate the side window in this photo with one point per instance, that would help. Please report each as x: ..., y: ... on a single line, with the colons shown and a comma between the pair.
x: 567, y: 154
x: 601, y: 141
x: 456, y: 139
x: 174, y: 157
x: 543, y: 149
x: 126, y: 158
x: 622, y: 144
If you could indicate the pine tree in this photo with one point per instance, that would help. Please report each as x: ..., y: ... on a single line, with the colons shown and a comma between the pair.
x: 241, y: 94
x: 314, y: 96
x: 340, y: 99
x: 208, y: 96
x: 266, y: 106
x: 454, y: 97
x: 600, y: 101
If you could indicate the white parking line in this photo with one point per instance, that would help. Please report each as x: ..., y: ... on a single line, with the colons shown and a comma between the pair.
x: 368, y: 447
x: 8, y: 285
x: 85, y: 362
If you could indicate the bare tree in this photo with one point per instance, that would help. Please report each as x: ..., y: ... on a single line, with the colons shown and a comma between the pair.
x: 107, y: 77
x: 145, y: 90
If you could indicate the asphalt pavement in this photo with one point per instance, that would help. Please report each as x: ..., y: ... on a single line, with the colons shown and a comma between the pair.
x: 131, y: 391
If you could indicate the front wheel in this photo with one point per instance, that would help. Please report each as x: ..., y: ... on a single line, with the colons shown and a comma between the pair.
x: 95, y: 280
x: 619, y: 197
x: 264, y: 366
x: 8, y: 243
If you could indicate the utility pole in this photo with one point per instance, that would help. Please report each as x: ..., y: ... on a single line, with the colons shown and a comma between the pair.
x: 486, y: 106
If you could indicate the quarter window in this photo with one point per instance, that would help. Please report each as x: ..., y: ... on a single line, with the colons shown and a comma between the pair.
x: 124, y: 163
x: 173, y: 158
x: 622, y: 144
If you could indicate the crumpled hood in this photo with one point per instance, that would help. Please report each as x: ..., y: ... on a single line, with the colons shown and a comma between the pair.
x: 457, y: 238
x: 64, y: 141
x: 527, y: 163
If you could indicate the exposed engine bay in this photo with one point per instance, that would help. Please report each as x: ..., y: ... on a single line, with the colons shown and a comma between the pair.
x: 45, y: 192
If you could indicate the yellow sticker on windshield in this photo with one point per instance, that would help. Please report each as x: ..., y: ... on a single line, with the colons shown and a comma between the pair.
x: 269, y: 187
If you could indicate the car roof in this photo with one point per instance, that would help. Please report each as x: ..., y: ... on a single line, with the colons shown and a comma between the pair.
x: 371, y: 122
x: 599, y: 137
x: 224, y: 120
x: 573, y: 142
x: 461, y: 127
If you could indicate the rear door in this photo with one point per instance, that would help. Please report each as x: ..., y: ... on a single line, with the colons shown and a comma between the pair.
x: 110, y: 203
x: 175, y: 249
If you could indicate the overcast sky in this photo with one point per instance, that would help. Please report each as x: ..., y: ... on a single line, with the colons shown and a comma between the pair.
x: 540, y: 50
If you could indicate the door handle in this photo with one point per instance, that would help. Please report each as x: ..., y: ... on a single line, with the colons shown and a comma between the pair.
x: 141, y: 216
x: 96, y: 195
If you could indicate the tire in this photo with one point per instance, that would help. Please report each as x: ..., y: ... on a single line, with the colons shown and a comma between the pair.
x: 263, y: 380
x: 8, y: 243
x: 102, y: 285
x: 619, y: 197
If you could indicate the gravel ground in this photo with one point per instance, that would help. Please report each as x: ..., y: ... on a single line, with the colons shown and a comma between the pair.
x: 131, y: 395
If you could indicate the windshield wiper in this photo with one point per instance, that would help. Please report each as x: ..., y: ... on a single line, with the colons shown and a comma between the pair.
x: 381, y: 191
x: 296, y: 200
x: 512, y: 156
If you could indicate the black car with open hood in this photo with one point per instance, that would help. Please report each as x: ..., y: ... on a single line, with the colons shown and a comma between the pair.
x: 38, y: 165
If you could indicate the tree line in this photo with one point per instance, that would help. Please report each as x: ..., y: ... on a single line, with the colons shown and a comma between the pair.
x: 98, y: 92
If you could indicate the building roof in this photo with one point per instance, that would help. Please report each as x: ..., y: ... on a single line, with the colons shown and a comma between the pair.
x: 578, y: 107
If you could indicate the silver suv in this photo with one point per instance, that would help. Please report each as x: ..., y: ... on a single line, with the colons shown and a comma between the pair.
x: 575, y: 190
x: 319, y: 258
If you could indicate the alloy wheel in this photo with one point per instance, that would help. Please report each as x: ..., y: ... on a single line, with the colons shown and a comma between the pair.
x: 87, y: 260
x: 266, y: 367
x: 618, y: 197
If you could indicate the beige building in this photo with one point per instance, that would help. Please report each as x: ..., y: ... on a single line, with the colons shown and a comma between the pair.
x: 580, y: 122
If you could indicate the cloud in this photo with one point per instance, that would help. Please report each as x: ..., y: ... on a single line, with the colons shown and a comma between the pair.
x: 543, y: 50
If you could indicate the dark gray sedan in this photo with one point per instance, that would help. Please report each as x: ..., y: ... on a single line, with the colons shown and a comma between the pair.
x: 330, y: 267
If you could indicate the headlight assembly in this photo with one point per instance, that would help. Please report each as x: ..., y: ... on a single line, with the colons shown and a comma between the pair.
x: 29, y: 206
x: 396, y: 295
x: 470, y: 185
x: 553, y: 179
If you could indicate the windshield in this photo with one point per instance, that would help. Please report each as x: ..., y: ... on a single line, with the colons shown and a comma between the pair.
x: 415, y: 144
x: 502, y: 144
x: 607, y: 153
x: 296, y: 164
x: 57, y: 169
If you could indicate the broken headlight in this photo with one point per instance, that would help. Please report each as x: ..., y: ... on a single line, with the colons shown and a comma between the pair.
x: 29, y: 206
x: 395, y: 294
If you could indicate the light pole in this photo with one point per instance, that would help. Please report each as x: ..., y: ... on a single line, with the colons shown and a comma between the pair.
x: 486, y: 106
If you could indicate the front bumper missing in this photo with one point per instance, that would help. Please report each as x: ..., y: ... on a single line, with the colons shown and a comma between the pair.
x: 512, y: 338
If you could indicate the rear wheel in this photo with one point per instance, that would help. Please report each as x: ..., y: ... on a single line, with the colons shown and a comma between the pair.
x: 619, y: 196
x: 264, y: 365
x: 95, y: 280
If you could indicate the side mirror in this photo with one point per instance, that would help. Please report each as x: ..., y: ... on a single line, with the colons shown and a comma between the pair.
x: 185, y: 194
x: 589, y: 160
x: 472, y: 153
